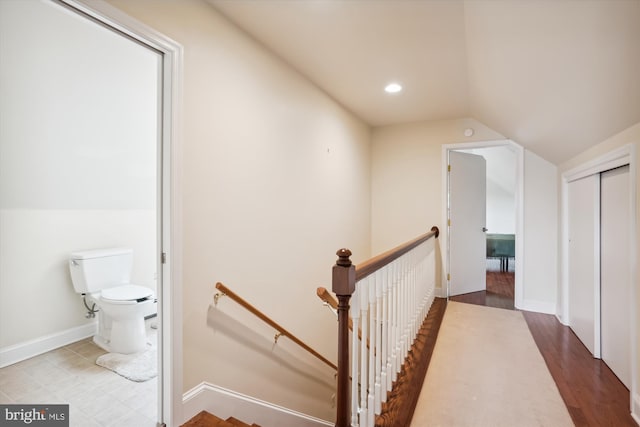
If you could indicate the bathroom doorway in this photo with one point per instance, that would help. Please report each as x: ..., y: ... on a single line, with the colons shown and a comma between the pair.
x: 83, y: 165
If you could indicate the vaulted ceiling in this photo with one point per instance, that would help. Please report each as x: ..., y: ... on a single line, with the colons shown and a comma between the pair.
x: 556, y: 76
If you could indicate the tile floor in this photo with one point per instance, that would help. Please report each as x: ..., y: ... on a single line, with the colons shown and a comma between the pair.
x: 97, y: 397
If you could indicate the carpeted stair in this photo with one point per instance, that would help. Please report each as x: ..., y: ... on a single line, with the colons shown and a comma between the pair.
x: 205, y: 419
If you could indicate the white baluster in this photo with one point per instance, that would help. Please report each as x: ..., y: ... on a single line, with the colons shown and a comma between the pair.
x: 408, y: 325
x: 394, y: 328
x: 413, y: 297
x: 403, y: 315
x: 420, y: 292
x: 407, y: 310
x: 372, y: 349
x: 378, y: 351
x: 384, y: 344
x: 355, y: 348
x: 364, y: 305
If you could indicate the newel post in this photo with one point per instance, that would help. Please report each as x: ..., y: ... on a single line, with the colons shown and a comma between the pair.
x: 343, y: 285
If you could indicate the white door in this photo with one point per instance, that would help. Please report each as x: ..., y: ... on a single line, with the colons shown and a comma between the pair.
x: 467, y: 214
x: 584, y: 277
x: 615, y: 285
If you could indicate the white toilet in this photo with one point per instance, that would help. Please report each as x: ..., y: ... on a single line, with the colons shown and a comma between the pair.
x: 102, y: 277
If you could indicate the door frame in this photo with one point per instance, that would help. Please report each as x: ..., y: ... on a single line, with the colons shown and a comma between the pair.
x: 624, y: 155
x: 519, y: 211
x: 170, y: 394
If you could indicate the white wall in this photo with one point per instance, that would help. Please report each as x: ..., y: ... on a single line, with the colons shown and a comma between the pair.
x: 276, y: 179
x: 77, y: 161
x: 540, y: 261
x: 501, y: 187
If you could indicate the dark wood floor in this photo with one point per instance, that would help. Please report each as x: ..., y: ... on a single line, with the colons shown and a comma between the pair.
x: 593, y: 394
x: 499, y: 293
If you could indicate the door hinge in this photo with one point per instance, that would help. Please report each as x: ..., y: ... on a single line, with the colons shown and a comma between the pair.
x: 448, y: 276
x: 163, y: 258
x: 449, y: 168
x: 449, y: 222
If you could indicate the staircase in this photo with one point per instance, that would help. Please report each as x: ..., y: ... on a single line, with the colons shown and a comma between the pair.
x: 205, y: 419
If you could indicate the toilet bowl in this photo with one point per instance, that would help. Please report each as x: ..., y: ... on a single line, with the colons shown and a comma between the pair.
x: 102, y: 278
x: 124, y: 309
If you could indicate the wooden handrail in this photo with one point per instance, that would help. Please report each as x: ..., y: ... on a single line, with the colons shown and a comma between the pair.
x: 282, y: 331
x: 373, y: 264
x: 326, y: 296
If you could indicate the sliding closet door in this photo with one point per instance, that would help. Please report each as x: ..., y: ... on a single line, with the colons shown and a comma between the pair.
x: 584, y: 275
x: 615, y: 222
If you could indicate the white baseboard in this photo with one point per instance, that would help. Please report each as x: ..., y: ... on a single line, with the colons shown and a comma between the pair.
x: 538, y: 306
x: 635, y: 410
x: 561, y: 320
x: 25, y: 350
x: 226, y: 403
x: 440, y: 292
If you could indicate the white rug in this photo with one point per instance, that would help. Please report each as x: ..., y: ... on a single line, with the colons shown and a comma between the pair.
x: 486, y: 370
x: 137, y: 367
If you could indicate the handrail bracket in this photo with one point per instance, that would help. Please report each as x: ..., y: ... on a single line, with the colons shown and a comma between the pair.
x: 333, y: 310
x: 217, y: 297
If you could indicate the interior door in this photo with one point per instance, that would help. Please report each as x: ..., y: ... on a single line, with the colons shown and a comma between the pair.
x: 615, y: 285
x: 584, y: 275
x: 467, y: 214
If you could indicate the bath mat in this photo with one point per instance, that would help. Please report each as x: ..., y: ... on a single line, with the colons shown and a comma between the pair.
x: 137, y: 367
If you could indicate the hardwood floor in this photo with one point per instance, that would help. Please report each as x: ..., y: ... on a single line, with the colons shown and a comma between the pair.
x: 593, y: 394
x: 499, y: 293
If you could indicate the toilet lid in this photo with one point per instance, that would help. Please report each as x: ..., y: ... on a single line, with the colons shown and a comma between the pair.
x: 126, y: 293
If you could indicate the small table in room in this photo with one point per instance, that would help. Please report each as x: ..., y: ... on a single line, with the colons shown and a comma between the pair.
x: 501, y: 246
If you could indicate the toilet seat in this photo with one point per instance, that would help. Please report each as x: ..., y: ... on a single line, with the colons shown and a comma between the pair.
x: 126, y: 294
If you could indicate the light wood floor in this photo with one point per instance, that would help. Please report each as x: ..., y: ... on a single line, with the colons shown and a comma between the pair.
x: 593, y: 394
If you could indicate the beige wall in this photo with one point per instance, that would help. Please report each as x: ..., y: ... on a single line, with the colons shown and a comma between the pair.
x: 276, y: 179
x: 406, y: 183
x: 628, y: 136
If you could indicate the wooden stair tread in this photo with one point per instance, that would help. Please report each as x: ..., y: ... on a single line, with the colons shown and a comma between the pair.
x: 206, y: 419
x: 238, y: 423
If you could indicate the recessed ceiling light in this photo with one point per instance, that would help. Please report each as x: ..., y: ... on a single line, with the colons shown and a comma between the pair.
x: 393, y: 88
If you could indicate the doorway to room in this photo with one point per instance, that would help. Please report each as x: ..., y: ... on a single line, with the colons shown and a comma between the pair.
x: 496, y: 256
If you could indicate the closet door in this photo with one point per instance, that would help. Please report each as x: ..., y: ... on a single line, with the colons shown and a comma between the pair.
x: 584, y: 274
x: 615, y: 223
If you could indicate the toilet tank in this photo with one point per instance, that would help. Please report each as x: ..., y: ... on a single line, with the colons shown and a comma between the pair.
x: 92, y: 271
